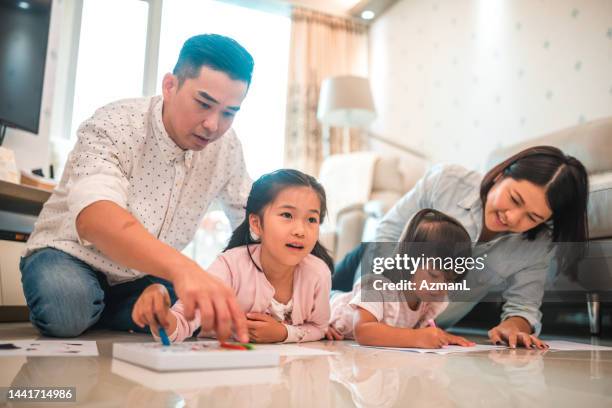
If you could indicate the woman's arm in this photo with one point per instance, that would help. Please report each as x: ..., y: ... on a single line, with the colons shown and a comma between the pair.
x: 370, y: 332
x: 521, y: 314
x: 524, y: 293
x: 514, y: 331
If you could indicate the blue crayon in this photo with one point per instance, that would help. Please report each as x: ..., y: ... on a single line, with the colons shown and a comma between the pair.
x: 164, y: 337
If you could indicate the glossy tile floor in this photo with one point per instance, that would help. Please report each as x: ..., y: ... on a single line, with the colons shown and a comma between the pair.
x: 356, y: 377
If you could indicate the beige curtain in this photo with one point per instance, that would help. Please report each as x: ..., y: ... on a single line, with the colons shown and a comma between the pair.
x: 321, y: 46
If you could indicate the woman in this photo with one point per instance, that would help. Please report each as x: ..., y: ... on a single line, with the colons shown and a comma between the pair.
x: 512, y: 214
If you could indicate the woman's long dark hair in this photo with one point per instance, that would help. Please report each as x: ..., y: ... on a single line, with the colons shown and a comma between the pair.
x: 264, y: 191
x: 566, y: 184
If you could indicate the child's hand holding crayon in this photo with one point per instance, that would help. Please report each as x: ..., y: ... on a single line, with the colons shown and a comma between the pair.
x: 153, y: 309
x: 432, y: 337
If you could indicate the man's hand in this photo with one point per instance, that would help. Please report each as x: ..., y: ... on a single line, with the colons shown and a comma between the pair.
x: 216, y: 302
x: 265, y: 329
x: 123, y: 239
x: 515, y: 331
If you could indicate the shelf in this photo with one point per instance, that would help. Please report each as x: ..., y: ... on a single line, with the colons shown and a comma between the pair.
x: 22, y: 199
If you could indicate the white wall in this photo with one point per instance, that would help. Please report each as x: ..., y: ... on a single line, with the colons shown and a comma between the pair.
x: 458, y: 78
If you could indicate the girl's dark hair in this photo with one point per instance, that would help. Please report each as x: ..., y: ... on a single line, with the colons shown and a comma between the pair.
x: 264, y: 191
x: 566, y: 184
x: 433, y: 234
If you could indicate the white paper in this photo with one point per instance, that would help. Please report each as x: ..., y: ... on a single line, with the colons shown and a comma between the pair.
x: 294, y: 350
x: 47, y: 348
x: 562, y: 345
x: 554, y: 345
x: 443, y: 350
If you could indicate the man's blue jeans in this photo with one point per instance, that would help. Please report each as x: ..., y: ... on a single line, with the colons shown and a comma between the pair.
x: 66, y: 296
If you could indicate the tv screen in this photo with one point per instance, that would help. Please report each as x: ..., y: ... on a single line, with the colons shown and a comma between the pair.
x: 24, y: 30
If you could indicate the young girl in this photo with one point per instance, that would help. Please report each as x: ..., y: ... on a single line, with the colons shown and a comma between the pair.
x: 404, y: 318
x: 274, y: 263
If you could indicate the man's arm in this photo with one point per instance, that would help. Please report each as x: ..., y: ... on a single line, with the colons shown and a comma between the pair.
x: 123, y: 239
x: 97, y: 200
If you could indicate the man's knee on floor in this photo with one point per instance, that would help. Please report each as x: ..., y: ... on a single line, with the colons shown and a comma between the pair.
x: 63, y: 307
x: 68, y: 316
x: 54, y: 327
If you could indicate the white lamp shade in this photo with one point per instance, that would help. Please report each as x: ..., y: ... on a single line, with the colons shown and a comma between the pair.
x: 346, y: 101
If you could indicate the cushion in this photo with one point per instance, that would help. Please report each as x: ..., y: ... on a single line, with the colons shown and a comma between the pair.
x: 387, y: 176
x: 588, y: 142
x: 600, y: 205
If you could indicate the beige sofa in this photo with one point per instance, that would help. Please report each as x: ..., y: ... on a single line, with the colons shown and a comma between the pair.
x: 393, y: 176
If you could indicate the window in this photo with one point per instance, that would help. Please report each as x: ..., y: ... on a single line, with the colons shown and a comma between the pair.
x: 111, y: 57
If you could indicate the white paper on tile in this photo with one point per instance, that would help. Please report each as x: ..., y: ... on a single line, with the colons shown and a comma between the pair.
x: 445, y: 350
x: 562, y: 345
x: 293, y: 350
x: 554, y: 345
x: 47, y: 348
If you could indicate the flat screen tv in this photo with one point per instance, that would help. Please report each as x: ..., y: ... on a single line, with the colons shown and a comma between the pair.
x: 24, y: 32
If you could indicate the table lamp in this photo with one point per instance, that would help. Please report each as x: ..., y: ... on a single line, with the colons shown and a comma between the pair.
x: 345, y: 101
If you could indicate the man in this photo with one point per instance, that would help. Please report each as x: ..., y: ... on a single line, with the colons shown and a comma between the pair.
x: 135, y: 186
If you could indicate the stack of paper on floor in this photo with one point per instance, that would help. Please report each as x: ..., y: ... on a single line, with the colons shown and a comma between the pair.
x: 200, y: 355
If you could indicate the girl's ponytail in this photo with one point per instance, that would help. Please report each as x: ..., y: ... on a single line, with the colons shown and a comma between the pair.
x: 241, y: 236
x: 321, y: 252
